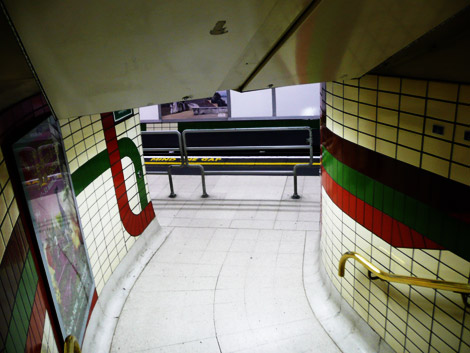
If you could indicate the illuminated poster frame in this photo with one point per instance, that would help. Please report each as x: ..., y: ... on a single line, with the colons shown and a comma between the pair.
x: 47, y: 187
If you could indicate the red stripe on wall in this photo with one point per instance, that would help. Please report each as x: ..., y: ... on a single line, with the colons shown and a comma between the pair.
x: 36, y: 323
x: 134, y: 224
x: 387, y: 228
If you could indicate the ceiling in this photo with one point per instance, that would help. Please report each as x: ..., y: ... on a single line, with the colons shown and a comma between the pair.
x: 93, y: 57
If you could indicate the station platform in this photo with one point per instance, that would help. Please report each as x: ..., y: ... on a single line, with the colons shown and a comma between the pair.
x: 235, y: 272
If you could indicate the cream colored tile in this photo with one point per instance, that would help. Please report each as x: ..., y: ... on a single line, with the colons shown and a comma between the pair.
x: 408, y: 156
x: 386, y: 132
x: 463, y: 114
x: 75, y: 125
x: 89, y: 142
x: 367, y: 111
x: 337, y: 116
x: 350, y: 121
x: 338, y: 129
x: 387, y: 116
x: 455, y: 262
x: 437, y: 147
x: 435, y: 165
x: 414, y: 342
x: 460, y: 173
x: 329, y: 99
x: 337, y: 103
x: 2, y: 248
x: 85, y: 120
x: 329, y: 86
x: 3, y: 208
x: 8, y: 193
x: 464, y: 94
x: 366, y: 141
x: 441, y: 110
x: 386, y: 148
x: 350, y: 135
x: 368, y: 96
x: 97, y: 126
x: 412, y: 105
x: 367, y: 126
x: 442, y: 343
x: 448, y: 129
x: 338, y: 89
x: 441, y: 90
x: 351, y: 107
x: 400, y: 262
x: 77, y: 137
x: 414, y: 87
x: 4, y: 177
x: 388, y: 100
x: 389, y: 84
x: 410, y: 139
x: 14, y: 212
x: 411, y: 122
x: 368, y: 81
x: 460, y: 133
x: 68, y: 143
x: 425, y: 260
x: 351, y: 93
x: 461, y: 154
x: 6, y: 229
x: 65, y: 130
x: 397, y: 346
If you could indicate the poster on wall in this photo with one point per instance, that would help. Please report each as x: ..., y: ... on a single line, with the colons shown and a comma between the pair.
x: 49, y: 194
x: 211, y: 107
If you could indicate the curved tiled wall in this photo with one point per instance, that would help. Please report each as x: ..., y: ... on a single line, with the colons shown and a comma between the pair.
x: 396, y: 176
x: 106, y: 163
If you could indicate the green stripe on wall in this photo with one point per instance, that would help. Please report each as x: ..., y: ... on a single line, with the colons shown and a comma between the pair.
x: 19, y: 323
x: 433, y: 224
x: 96, y: 166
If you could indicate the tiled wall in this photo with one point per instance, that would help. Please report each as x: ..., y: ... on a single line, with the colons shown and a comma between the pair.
x: 373, y: 202
x: 161, y: 126
x: 106, y: 238
x: 23, y: 303
x: 396, y: 116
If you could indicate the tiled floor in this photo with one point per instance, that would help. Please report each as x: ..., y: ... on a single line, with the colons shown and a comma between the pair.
x: 229, y: 277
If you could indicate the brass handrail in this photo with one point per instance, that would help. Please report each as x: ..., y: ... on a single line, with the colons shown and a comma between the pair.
x: 71, y: 345
x: 462, y: 288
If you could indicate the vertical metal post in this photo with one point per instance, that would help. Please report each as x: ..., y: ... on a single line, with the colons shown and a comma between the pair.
x: 295, y: 195
x: 172, y: 190
x: 201, y: 168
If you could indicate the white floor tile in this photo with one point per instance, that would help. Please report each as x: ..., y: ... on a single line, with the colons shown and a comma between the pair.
x: 230, y: 273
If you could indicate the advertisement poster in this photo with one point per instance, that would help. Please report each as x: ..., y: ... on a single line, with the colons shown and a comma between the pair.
x: 213, y: 107
x: 40, y: 159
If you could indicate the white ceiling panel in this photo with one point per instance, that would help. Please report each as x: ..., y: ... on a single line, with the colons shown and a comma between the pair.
x: 98, y: 56
x: 346, y: 39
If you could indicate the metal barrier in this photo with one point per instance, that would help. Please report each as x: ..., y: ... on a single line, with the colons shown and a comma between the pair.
x: 308, y: 146
x: 178, y: 147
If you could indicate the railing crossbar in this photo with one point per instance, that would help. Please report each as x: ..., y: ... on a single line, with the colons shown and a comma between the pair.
x: 183, y: 148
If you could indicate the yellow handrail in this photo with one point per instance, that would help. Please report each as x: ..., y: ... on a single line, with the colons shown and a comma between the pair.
x: 71, y: 345
x: 463, y: 288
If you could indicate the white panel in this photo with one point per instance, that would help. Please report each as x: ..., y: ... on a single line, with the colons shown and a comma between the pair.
x: 301, y: 100
x: 251, y: 104
x: 148, y: 113
x: 341, y: 40
x: 99, y: 56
